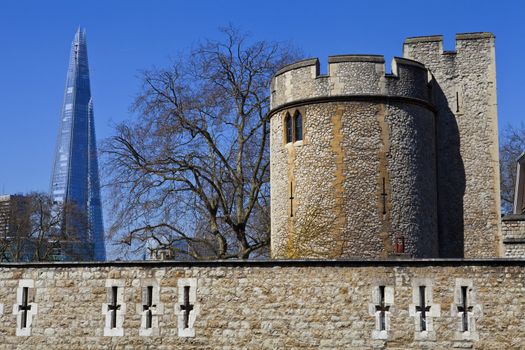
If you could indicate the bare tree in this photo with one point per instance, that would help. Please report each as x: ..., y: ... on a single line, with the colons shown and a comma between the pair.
x: 191, y: 173
x: 34, y: 228
x: 512, y: 145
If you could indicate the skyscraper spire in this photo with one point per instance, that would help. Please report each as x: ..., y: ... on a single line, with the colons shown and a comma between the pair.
x: 75, y: 171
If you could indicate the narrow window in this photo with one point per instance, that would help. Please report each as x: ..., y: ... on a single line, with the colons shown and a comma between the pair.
x: 25, y: 307
x: 289, y: 129
x: 464, y: 309
x: 298, y: 126
x: 423, y: 309
x: 113, y: 307
x: 291, y: 199
x: 186, y: 307
x: 148, y: 305
x: 383, y: 196
x: 382, y: 309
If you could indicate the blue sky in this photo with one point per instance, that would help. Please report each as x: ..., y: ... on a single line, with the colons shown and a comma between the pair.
x: 125, y: 37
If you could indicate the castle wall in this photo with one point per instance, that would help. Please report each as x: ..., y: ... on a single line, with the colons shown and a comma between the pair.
x: 464, y: 92
x: 513, y: 232
x: 266, y: 304
x: 363, y: 177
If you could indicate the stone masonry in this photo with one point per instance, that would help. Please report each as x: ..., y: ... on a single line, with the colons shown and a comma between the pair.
x: 464, y: 90
x: 400, y: 164
x: 513, y: 230
x: 271, y: 304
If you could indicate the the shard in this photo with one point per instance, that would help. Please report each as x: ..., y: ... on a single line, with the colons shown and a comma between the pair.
x: 75, y: 172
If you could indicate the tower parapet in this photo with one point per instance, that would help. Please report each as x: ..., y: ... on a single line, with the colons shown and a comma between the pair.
x: 360, y: 75
x: 433, y: 44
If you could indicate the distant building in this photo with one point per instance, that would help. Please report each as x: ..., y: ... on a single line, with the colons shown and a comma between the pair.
x: 4, y: 214
x: 177, y: 251
x: 14, y: 229
x: 26, y: 224
x: 75, y: 171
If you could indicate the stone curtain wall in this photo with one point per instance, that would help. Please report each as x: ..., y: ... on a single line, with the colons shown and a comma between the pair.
x: 267, y: 305
x: 513, y: 230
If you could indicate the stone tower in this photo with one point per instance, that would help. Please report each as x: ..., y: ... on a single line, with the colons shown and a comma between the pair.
x: 467, y: 141
x: 368, y: 164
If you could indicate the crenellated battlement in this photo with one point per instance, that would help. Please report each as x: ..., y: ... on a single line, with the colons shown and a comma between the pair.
x: 433, y: 44
x: 349, y: 75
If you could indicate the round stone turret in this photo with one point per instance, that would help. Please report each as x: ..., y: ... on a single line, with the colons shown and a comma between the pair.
x: 353, y: 160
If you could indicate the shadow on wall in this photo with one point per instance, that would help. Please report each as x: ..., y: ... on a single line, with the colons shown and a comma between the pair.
x: 450, y: 179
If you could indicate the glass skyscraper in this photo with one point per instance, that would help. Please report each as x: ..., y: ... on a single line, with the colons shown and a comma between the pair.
x: 75, y: 171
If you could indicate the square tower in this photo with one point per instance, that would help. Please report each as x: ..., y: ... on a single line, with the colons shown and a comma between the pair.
x: 464, y: 93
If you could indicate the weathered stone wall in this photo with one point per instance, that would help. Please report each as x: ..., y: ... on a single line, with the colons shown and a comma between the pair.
x: 363, y: 176
x: 464, y: 92
x: 412, y: 173
x: 269, y: 305
x: 513, y: 231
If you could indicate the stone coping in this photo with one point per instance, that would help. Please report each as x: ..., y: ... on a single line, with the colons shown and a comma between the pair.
x: 475, y: 35
x: 374, y: 59
x: 409, y: 62
x: 300, y: 64
x: 422, y: 39
x: 459, y: 36
x: 356, y: 58
x: 402, y: 262
x: 513, y: 217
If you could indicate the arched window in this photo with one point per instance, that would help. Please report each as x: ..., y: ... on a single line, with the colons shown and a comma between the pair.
x: 289, y: 129
x: 298, y: 124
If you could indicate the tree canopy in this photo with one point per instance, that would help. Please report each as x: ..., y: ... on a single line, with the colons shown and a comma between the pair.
x: 34, y: 228
x: 191, y: 172
x: 512, y: 145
